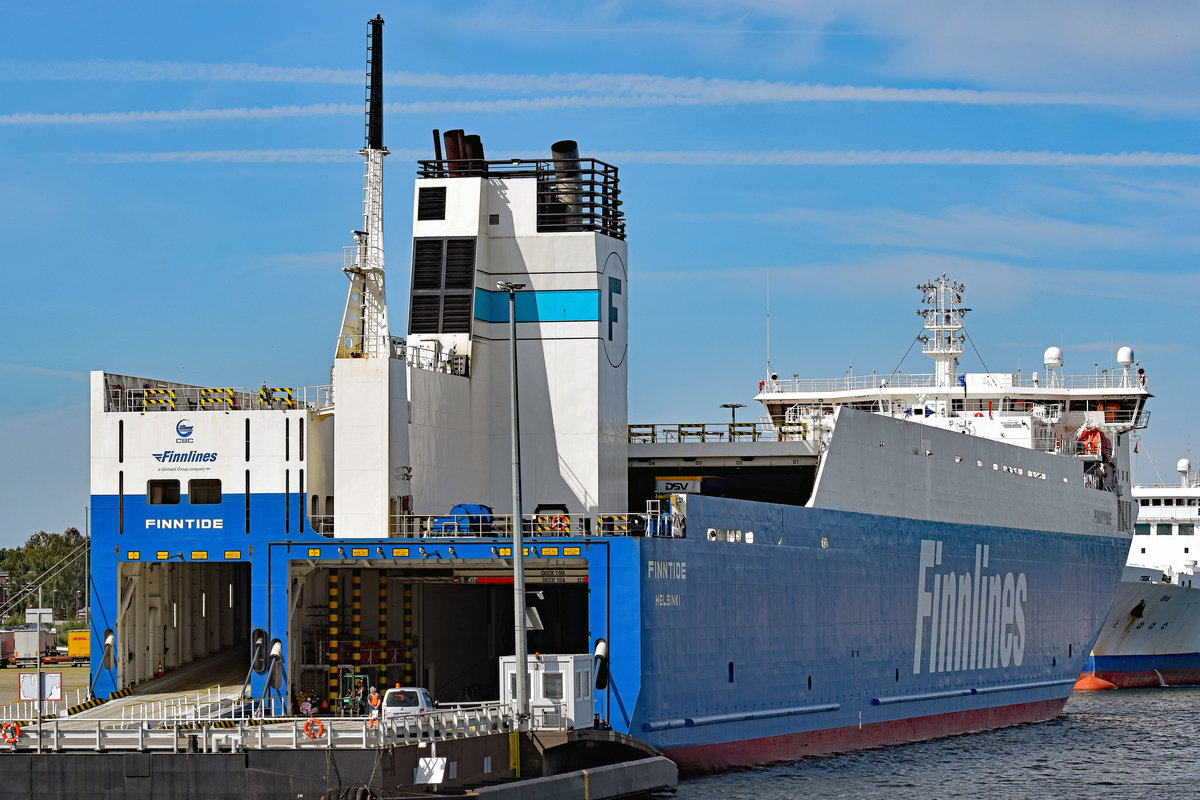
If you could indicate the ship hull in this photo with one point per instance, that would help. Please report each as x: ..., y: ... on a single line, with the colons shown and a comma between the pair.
x: 830, y: 631
x: 791, y: 747
x: 1151, y: 636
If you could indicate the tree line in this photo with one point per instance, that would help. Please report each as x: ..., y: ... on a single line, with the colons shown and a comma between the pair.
x: 55, y: 561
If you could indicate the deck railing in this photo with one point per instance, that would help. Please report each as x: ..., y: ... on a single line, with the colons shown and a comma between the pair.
x: 262, y: 733
x: 437, y: 527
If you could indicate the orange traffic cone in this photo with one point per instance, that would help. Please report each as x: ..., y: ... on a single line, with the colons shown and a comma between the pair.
x: 160, y: 669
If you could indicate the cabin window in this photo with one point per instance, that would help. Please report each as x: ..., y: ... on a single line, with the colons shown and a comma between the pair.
x: 162, y: 493
x: 1156, y: 501
x: 552, y: 685
x: 1141, y: 529
x: 1191, y: 501
x: 1187, y: 529
x: 206, y: 492
x: 1168, y: 501
x: 1163, y: 529
x: 1143, y: 502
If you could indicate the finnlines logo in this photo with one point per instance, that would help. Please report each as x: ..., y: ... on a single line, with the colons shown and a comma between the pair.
x: 975, y: 620
x: 171, y: 457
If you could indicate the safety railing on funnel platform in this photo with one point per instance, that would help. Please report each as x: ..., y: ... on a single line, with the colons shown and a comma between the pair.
x: 572, y: 194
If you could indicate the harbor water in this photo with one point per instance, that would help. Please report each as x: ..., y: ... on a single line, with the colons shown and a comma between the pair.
x: 1131, y: 743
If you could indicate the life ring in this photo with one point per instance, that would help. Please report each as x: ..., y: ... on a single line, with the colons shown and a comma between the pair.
x: 979, y: 413
x: 314, y: 728
x: 11, y: 732
x: 560, y: 522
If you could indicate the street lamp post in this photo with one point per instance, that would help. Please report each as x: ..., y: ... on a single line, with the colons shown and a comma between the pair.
x: 733, y: 407
x: 518, y: 552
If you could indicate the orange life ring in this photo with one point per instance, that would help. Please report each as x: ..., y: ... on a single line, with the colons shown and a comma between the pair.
x: 314, y: 728
x: 979, y: 413
x: 560, y: 522
x: 11, y: 732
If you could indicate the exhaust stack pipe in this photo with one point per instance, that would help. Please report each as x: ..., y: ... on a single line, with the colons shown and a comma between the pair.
x: 566, y: 173
x: 455, y: 152
x: 476, y: 163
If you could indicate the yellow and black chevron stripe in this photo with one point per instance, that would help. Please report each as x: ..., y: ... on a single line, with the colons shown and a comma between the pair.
x: 95, y: 701
x: 268, y: 396
x: 164, y: 397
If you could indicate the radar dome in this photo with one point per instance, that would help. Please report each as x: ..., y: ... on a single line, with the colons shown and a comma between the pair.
x: 1125, y: 356
x: 1052, y: 357
x: 1183, y: 466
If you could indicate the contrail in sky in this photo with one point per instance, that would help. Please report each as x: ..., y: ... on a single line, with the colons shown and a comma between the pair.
x: 716, y: 158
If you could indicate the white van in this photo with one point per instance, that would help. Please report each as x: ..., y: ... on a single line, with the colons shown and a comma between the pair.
x: 413, y: 701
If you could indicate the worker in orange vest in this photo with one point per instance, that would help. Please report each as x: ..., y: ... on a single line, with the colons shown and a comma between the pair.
x: 374, y: 701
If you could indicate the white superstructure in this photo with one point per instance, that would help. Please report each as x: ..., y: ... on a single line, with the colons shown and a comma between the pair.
x: 1164, y: 543
x: 1027, y: 423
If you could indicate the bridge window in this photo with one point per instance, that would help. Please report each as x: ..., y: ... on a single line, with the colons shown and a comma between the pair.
x: 1187, y: 529
x: 1141, y: 529
x: 206, y: 492
x: 1163, y: 529
x: 162, y: 493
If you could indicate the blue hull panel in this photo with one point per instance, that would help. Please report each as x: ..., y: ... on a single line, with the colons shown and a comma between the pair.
x: 830, y: 620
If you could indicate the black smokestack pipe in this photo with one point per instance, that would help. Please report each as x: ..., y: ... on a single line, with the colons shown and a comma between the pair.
x: 437, y: 145
x: 566, y: 175
x: 375, y: 84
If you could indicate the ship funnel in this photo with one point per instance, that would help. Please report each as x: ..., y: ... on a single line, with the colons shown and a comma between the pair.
x: 566, y: 174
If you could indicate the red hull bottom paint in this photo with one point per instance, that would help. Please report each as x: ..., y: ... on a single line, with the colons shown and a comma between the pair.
x: 790, y: 747
x: 1088, y: 682
x: 1151, y: 678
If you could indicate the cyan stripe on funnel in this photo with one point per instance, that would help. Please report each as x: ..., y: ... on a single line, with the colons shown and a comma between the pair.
x: 566, y: 305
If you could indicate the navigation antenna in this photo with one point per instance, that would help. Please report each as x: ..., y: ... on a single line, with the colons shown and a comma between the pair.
x: 943, y: 315
x: 364, y: 324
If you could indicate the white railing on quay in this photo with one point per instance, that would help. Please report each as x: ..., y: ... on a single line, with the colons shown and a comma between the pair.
x: 27, y: 709
x: 271, y: 733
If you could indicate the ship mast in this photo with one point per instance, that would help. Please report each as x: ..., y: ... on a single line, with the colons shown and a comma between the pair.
x: 943, y: 340
x: 364, y: 325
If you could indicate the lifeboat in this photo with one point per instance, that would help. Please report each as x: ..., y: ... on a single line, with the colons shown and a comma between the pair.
x: 1093, y: 442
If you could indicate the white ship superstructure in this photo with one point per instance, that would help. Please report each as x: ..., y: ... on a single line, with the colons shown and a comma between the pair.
x: 1033, y: 418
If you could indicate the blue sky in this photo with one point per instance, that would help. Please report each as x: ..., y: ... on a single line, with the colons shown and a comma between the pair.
x: 177, y: 181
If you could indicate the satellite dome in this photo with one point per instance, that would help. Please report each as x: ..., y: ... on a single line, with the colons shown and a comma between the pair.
x: 1183, y: 466
x: 1052, y: 357
x: 1125, y: 356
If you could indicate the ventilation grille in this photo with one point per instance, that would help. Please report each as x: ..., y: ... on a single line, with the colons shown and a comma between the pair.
x: 443, y: 286
x: 431, y: 202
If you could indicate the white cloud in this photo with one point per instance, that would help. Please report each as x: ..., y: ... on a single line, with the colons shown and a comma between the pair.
x: 850, y: 158
x: 281, y: 156
x: 1108, y: 43
x: 6, y: 366
x: 976, y: 230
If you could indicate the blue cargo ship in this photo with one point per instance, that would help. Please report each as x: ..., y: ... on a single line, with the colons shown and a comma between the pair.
x: 878, y: 559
